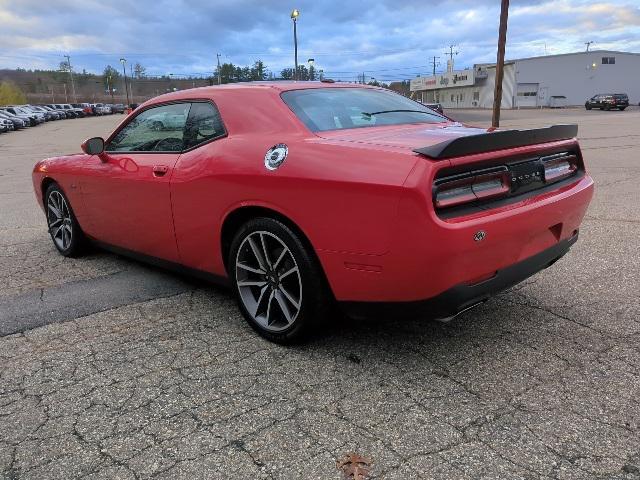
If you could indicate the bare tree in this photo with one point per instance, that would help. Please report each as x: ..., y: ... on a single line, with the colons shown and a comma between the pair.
x: 139, y: 71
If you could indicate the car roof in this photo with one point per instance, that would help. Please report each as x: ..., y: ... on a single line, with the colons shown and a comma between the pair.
x: 283, y: 85
x: 278, y: 85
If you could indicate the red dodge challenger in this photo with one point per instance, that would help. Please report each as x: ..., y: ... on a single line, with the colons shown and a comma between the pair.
x: 299, y: 195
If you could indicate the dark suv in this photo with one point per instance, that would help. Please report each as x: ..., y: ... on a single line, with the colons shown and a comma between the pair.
x: 608, y: 101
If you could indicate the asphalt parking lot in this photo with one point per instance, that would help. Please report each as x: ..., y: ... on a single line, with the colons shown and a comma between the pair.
x: 111, y: 369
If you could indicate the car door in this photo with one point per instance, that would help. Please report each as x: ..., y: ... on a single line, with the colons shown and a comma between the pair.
x: 198, y: 187
x: 127, y: 193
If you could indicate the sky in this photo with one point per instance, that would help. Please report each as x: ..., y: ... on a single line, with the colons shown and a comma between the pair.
x: 385, y: 39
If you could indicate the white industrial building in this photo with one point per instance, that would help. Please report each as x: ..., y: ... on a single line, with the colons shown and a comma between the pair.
x: 551, y: 80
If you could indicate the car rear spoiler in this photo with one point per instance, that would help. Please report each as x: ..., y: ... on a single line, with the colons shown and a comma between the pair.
x: 497, y: 140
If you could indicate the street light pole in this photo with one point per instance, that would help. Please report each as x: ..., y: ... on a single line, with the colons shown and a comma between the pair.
x: 502, y: 40
x: 294, y: 16
x: 123, y: 61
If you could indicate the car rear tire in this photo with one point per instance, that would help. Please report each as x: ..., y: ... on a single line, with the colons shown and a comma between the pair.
x: 622, y: 109
x: 279, y: 284
x: 65, y: 232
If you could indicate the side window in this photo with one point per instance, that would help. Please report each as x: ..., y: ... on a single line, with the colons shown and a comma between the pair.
x: 204, y: 124
x: 158, y: 129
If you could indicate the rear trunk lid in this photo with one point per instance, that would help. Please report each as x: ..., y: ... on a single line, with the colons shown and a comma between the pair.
x: 403, y: 137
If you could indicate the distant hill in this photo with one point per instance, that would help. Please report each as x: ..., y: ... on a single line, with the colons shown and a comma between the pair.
x: 50, y: 86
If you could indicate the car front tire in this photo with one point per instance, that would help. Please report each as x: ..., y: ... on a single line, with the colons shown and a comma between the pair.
x: 65, y: 232
x: 280, y: 287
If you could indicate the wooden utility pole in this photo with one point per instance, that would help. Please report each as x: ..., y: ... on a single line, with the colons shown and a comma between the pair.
x: 434, y: 64
x: 219, y: 73
x: 502, y: 40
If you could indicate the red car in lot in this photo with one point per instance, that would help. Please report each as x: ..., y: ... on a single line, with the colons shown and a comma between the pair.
x: 299, y: 195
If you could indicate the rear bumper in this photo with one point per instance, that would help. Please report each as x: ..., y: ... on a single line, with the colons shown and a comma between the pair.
x: 457, y: 299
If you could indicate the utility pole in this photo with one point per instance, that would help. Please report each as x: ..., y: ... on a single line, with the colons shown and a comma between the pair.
x: 451, y: 53
x: 434, y: 63
x: 131, y: 81
x: 219, y: 74
x: 73, y: 86
x: 588, y: 44
x: 502, y: 40
x: 66, y: 98
x: 110, y: 87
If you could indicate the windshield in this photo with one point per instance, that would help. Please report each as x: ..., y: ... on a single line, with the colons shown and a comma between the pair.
x: 323, y: 109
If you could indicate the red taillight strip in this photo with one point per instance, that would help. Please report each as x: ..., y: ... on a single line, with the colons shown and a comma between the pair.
x: 557, y: 167
x: 495, y: 182
x: 465, y: 188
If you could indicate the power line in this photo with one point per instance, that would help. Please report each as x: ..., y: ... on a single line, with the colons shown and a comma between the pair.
x: 451, y: 53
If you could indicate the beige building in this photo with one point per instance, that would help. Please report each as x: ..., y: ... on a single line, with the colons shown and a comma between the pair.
x: 464, y: 88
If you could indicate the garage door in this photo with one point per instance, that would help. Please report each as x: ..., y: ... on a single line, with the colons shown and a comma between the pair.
x: 527, y: 95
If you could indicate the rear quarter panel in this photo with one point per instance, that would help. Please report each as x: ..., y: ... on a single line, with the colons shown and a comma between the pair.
x: 344, y: 198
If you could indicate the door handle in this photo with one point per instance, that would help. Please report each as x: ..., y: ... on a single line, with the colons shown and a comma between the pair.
x: 160, y: 170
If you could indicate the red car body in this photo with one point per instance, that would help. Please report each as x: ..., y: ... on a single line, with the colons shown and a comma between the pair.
x: 362, y: 197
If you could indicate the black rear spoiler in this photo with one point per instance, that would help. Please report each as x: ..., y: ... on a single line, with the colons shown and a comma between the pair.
x: 497, y: 140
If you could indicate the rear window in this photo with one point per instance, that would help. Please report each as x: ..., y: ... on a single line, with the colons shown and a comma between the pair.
x: 621, y: 96
x: 322, y: 109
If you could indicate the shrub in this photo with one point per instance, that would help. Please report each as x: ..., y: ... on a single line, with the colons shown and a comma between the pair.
x: 10, y: 94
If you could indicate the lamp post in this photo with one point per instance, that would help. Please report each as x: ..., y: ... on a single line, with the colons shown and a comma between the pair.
x: 295, y: 13
x: 123, y: 61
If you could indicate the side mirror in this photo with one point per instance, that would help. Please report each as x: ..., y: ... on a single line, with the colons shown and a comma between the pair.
x: 93, y: 146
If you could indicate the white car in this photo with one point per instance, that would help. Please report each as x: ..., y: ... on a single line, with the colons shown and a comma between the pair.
x: 166, y: 121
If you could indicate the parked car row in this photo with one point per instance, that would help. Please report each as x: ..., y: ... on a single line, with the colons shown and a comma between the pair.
x: 16, y: 117
x: 100, y: 108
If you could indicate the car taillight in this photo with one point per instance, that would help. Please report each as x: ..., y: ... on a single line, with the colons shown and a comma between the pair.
x: 557, y: 167
x: 479, y: 186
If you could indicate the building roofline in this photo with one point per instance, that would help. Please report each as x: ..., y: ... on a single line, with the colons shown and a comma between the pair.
x: 571, y: 53
x: 514, y: 60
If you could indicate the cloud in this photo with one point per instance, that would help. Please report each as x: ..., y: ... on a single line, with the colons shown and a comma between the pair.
x: 388, y: 39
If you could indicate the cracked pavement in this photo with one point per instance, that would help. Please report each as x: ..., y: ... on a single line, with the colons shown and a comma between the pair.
x: 113, y: 370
